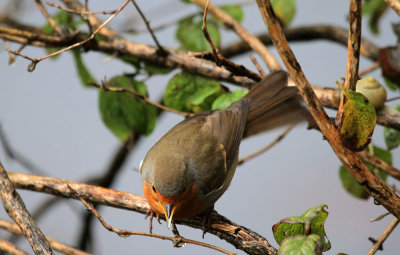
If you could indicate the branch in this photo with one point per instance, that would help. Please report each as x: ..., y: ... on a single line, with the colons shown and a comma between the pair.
x: 371, y: 183
x: 10, y: 248
x: 58, y: 246
x: 246, y: 36
x: 239, y: 236
x: 15, y: 208
x: 353, y: 54
x: 307, y: 33
x: 379, y: 163
x: 394, y: 4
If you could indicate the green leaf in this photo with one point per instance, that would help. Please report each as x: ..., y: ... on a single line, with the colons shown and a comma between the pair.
x: 374, y: 9
x: 349, y: 182
x: 191, y: 37
x: 391, y: 85
x: 392, y: 137
x: 235, y: 11
x: 122, y: 112
x: 191, y: 93
x: 301, y: 245
x: 311, y: 222
x: 284, y: 10
x: 83, y: 72
x: 351, y: 185
x: 156, y: 69
x: 225, y: 100
x: 359, y: 120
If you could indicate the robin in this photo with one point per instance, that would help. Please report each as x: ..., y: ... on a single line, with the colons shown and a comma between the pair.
x: 192, y: 165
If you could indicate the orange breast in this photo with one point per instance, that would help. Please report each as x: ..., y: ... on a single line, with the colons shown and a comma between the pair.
x: 186, y: 205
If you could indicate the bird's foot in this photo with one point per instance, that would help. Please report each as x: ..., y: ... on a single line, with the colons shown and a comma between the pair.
x: 178, y: 240
x: 151, y: 214
x: 207, y: 220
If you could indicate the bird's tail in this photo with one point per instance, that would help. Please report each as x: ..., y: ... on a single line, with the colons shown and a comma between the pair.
x: 274, y: 104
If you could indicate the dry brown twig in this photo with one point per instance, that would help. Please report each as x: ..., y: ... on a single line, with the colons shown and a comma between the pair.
x: 177, y: 241
x: 257, y: 65
x: 269, y: 146
x: 379, y: 217
x: 81, y: 12
x: 207, y: 35
x: 384, y: 235
x: 239, y: 236
x: 371, y: 68
x: 371, y: 183
x: 58, y: 246
x: 134, y: 93
x: 15, y: 208
x: 244, y: 34
x: 34, y: 61
x: 161, y: 50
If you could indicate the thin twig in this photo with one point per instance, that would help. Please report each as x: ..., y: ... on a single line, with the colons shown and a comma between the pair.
x: 80, y: 12
x: 161, y: 50
x: 379, y: 163
x: 369, y: 69
x: 235, y: 69
x: 246, y: 36
x: 207, y: 35
x: 58, y: 246
x: 134, y: 93
x: 384, y: 235
x: 353, y: 54
x: 394, y: 4
x: 379, y: 217
x: 269, y: 146
x: 15, y: 208
x: 257, y: 65
x: 392, y: 99
x: 49, y: 19
x: 125, y: 233
x: 37, y: 60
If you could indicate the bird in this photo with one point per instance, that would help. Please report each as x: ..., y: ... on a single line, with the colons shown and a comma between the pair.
x: 192, y: 165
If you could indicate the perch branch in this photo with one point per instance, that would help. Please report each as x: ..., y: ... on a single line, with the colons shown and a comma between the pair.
x: 120, y: 232
x: 239, y: 236
x: 15, y: 208
x: 371, y: 183
x: 81, y: 12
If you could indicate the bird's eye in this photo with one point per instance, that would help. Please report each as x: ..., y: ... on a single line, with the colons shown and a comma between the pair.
x: 154, y: 188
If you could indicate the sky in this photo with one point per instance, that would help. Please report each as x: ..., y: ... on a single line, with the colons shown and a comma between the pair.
x: 51, y: 119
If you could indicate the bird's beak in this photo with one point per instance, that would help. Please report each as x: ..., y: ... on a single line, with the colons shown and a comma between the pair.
x: 169, y: 212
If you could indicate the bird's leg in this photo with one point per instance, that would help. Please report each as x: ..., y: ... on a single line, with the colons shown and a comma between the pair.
x: 151, y: 214
x: 175, y: 230
x: 207, y: 219
x: 178, y: 240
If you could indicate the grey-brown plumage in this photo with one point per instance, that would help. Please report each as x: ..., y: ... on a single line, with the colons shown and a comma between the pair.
x: 200, y: 154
